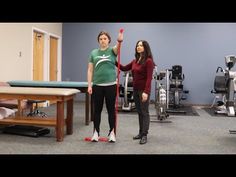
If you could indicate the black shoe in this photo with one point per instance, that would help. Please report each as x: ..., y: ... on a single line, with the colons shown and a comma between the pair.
x: 143, y: 140
x: 137, y: 137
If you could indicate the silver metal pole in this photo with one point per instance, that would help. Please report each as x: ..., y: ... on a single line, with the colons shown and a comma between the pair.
x: 167, y: 88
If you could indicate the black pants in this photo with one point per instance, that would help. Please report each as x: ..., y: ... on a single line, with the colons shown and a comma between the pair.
x: 143, y: 112
x: 99, y: 93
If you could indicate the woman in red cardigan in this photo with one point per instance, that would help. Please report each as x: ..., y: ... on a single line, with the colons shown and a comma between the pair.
x: 142, y: 69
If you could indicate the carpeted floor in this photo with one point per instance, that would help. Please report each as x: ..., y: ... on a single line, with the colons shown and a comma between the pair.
x: 182, y: 111
x: 184, y: 135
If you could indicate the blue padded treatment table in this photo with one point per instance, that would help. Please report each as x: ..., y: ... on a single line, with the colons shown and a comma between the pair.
x: 82, y: 86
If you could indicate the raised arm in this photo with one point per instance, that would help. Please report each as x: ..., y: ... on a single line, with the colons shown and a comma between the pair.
x: 119, y: 40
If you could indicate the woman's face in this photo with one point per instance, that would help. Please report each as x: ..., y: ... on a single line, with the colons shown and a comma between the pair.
x: 140, y: 47
x: 103, y: 41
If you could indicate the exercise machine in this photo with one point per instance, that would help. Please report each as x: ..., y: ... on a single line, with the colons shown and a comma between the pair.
x: 219, y: 91
x: 126, y: 93
x: 161, y: 97
x: 175, y: 88
x: 176, y: 91
x: 224, y: 85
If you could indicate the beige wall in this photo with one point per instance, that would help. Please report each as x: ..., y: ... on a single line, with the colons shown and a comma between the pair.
x: 16, y: 38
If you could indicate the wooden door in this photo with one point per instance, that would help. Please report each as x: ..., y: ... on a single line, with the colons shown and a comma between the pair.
x: 38, y: 59
x: 53, y: 58
x: 38, y: 56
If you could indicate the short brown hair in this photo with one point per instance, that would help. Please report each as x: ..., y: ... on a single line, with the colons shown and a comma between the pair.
x: 104, y: 33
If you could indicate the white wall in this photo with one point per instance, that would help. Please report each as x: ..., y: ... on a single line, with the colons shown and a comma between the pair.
x: 16, y: 38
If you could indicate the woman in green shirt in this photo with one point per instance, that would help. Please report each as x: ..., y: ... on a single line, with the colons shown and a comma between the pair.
x: 102, y: 73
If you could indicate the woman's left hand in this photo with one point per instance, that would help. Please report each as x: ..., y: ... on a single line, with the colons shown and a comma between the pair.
x: 144, y: 97
x: 120, y: 37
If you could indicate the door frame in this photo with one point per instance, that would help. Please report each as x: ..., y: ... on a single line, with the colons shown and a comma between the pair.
x: 46, y: 55
x: 59, y: 47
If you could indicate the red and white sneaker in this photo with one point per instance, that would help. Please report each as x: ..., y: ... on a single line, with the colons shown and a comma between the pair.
x: 112, y: 137
x: 95, y: 137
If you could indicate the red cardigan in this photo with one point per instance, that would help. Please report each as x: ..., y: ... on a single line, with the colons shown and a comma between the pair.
x: 142, y: 74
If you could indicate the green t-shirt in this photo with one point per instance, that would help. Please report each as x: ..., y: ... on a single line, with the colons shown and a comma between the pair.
x: 104, y: 66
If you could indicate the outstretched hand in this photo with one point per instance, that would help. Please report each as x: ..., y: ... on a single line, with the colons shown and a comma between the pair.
x: 120, y: 35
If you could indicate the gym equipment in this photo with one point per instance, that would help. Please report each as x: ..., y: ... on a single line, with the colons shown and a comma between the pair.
x: 102, y: 139
x: 220, y: 93
x: 176, y: 91
x: 118, y: 81
x: 224, y: 85
x: 24, y: 130
x: 160, y: 96
x: 126, y: 92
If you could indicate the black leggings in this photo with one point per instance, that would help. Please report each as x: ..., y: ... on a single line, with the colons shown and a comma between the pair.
x: 99, y: 93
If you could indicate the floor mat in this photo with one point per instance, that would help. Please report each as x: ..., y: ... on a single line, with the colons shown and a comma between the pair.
x: 26, y: 130
x: 183, y: 111
x: 211, y: 111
